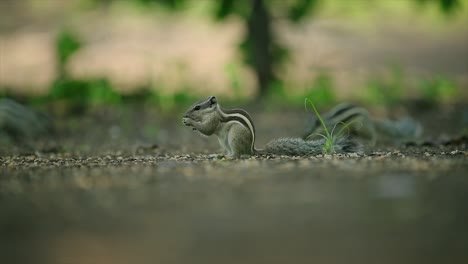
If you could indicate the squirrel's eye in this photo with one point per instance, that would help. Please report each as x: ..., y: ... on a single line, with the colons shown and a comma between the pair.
x: 197, y: 108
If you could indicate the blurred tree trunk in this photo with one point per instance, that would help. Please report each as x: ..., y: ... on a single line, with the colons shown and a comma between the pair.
x: 260, y: 40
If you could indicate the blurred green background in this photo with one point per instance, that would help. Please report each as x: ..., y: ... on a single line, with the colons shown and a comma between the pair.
x: 166, y: 52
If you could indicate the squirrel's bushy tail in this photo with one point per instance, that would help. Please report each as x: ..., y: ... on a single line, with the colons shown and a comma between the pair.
x: 20, y: 122
x: 301, y: 147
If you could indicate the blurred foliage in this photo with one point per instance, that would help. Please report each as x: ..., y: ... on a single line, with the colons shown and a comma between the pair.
x: 172, y: 4
x: 386, y: 91
x: 301, y: 9
x: 77, y: 95
x: 67, y: 43
x: 389, y: 91
x: 446, y: 6
x: 77, y: 92
x: 438, y: 89
x: 235, y: 80
x: 232, y: 7
x: 321, y: 91
x: 260, y: 48
x: 84, y: 92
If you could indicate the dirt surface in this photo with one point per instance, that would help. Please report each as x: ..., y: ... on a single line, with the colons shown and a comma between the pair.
x: 130, y: 186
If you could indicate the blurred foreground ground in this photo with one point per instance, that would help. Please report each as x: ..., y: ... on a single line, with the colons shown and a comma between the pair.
x: 148, y: 192
x: 341, y: 210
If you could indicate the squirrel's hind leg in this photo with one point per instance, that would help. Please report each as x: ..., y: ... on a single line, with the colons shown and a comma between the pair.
x: 239, y: 141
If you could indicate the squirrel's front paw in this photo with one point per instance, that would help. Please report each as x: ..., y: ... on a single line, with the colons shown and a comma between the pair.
x: 187, y: 121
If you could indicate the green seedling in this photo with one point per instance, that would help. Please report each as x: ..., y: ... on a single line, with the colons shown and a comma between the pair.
x: 330, y: 137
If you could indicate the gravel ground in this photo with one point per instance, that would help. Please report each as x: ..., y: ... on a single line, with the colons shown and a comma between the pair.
x: 106, y: 197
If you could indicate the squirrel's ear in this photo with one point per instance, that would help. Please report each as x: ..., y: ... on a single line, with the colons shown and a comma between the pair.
x: 213, y: 100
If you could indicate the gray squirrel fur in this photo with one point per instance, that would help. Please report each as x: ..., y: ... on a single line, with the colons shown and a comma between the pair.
x: 361, y: 125
x: 22, y: 123
x: 236, y: 133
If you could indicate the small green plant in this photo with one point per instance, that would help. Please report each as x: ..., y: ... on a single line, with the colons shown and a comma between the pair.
x: 330, y: 137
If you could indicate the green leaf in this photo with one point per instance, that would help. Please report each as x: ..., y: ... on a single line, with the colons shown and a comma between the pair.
x: 300, y: 10
x: 66, y: 45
